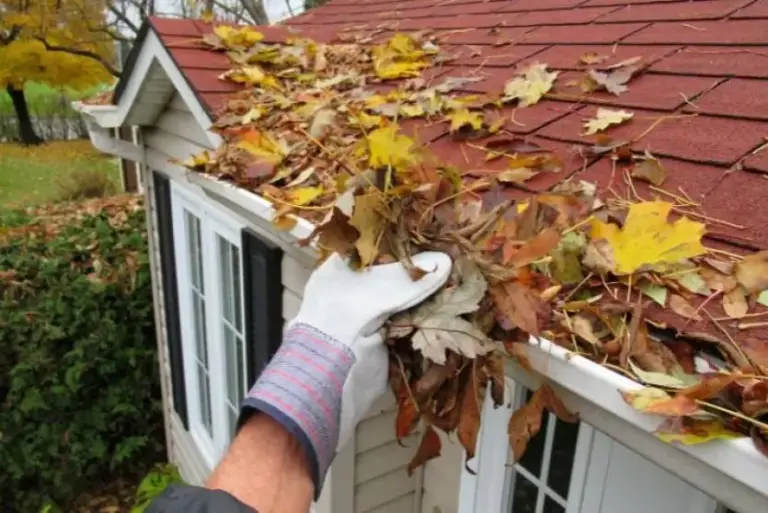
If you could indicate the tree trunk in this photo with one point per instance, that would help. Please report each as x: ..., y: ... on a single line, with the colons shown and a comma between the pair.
x: 257, y: 12
x: 26, y: 130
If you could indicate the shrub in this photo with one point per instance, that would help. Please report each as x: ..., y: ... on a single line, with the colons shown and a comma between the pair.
x: 79, y: 384
x: 85, y: 183
x: 158, y: 479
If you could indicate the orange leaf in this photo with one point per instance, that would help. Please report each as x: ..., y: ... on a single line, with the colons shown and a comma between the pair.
x: 534, y: 249
x: 525, y: 424
x: 709, y: 387
x: 429, y: 448
x: 677, y: 406
x: 519, y: 307
x: 552, y: 402
x: 407, y: 417
x: 469, y: 421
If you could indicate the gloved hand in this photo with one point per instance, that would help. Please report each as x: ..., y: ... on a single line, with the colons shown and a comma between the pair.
x: 332, y: 364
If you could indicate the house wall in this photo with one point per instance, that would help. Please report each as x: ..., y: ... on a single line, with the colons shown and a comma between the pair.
x: 442, y: 477
x: 370, y: 474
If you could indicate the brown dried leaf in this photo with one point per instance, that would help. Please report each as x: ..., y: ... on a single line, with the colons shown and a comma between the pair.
x: 471, y: 407
x: 525, y: 423
x: 368, y: 220
x: 407, y: 417
x: 552, y: 402
x: 683, y: 308
x: 519, y: 307
x: 519, y: 175
x: 336, y: 234
x: 592, y: 58
x: 709, y: 386
x: 429, y: 448
x: 650, y: 170
x: 534, y: 249
x: 752, y: 272
x: 434, y: 378
x: 735, y: 304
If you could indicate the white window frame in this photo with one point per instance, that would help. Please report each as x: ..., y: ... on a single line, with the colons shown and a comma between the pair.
x: 489, y: 489
x: 213, y: 223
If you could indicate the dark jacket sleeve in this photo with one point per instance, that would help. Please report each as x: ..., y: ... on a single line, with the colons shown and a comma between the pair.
x: 195, y: 499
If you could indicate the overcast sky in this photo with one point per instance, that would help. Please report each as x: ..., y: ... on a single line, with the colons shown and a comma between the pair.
x: 276, y: 9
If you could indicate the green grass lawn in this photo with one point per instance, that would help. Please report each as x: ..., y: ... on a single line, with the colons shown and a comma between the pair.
x: 40, y: 174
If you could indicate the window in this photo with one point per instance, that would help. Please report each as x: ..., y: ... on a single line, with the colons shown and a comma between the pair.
x: 550, y: 476
x: 540, y: 482
x: 209, y: 274
x: 231, y: 321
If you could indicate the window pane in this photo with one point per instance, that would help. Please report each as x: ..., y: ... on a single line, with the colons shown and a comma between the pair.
x: 198, y: 311
x: 524, y: 495
x: 563, y: 451
x: 230, y: 350
x: 232, y: 414
x: 533, y: 455
x: 195, y: 251
x: 225, y: 273
x: 242, y: 386
x: 550, y: 506
x: 205, y: 399
x: 236, y: 288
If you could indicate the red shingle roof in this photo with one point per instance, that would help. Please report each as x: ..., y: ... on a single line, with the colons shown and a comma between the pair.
x: 707, y: 57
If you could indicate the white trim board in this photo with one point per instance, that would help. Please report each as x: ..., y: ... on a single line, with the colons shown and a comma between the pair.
x: 152, y: 52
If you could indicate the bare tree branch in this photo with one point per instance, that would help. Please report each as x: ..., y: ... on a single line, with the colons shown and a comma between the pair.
x: 256, y: 11
x: 123, y: 18
x: 83, y: 53
x: 290, y: 9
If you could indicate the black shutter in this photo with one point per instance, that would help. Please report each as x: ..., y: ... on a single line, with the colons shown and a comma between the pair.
x: 263, y: 300
x: 170, y: 292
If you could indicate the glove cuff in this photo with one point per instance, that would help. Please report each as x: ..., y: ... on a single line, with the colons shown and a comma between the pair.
x: 301, y: 388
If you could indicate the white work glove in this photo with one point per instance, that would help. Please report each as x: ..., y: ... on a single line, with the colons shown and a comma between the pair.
x: 332, y: 364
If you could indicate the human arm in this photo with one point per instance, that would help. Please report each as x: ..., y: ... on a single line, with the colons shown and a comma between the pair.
x: 329, y: 370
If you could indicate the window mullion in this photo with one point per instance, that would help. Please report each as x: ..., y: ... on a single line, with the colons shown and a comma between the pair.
x: 545, y: 461
x: 216, y: 355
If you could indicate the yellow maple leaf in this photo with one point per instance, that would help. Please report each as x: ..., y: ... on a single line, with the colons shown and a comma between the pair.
x: 262, y: 145
x: 530, y: 85
x: 197, y: 161
x: 304, y: 195
x: 605, y: 118
x: 235, y: 38
x: 388, y: 148
x: 648, y: 239
x: 367, y: 219
x: 400, y: 57
x: 698, y: 432
x: 461, y: 117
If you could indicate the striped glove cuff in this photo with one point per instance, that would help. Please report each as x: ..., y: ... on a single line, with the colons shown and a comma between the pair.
x: 301, y: 388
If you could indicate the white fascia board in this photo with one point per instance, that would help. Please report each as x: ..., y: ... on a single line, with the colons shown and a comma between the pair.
x: 731, y: 471
x: 152, y: 50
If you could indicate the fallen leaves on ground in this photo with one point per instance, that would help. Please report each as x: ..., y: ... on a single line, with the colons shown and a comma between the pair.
x: 334, y: 133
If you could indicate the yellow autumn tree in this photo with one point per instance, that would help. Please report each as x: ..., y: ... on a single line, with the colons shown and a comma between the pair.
x: 56, y: 42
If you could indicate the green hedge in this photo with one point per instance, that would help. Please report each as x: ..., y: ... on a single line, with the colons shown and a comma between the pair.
x: 79, y: 385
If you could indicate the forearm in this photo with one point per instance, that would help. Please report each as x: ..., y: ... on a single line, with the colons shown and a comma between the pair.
x: 266, y: 469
